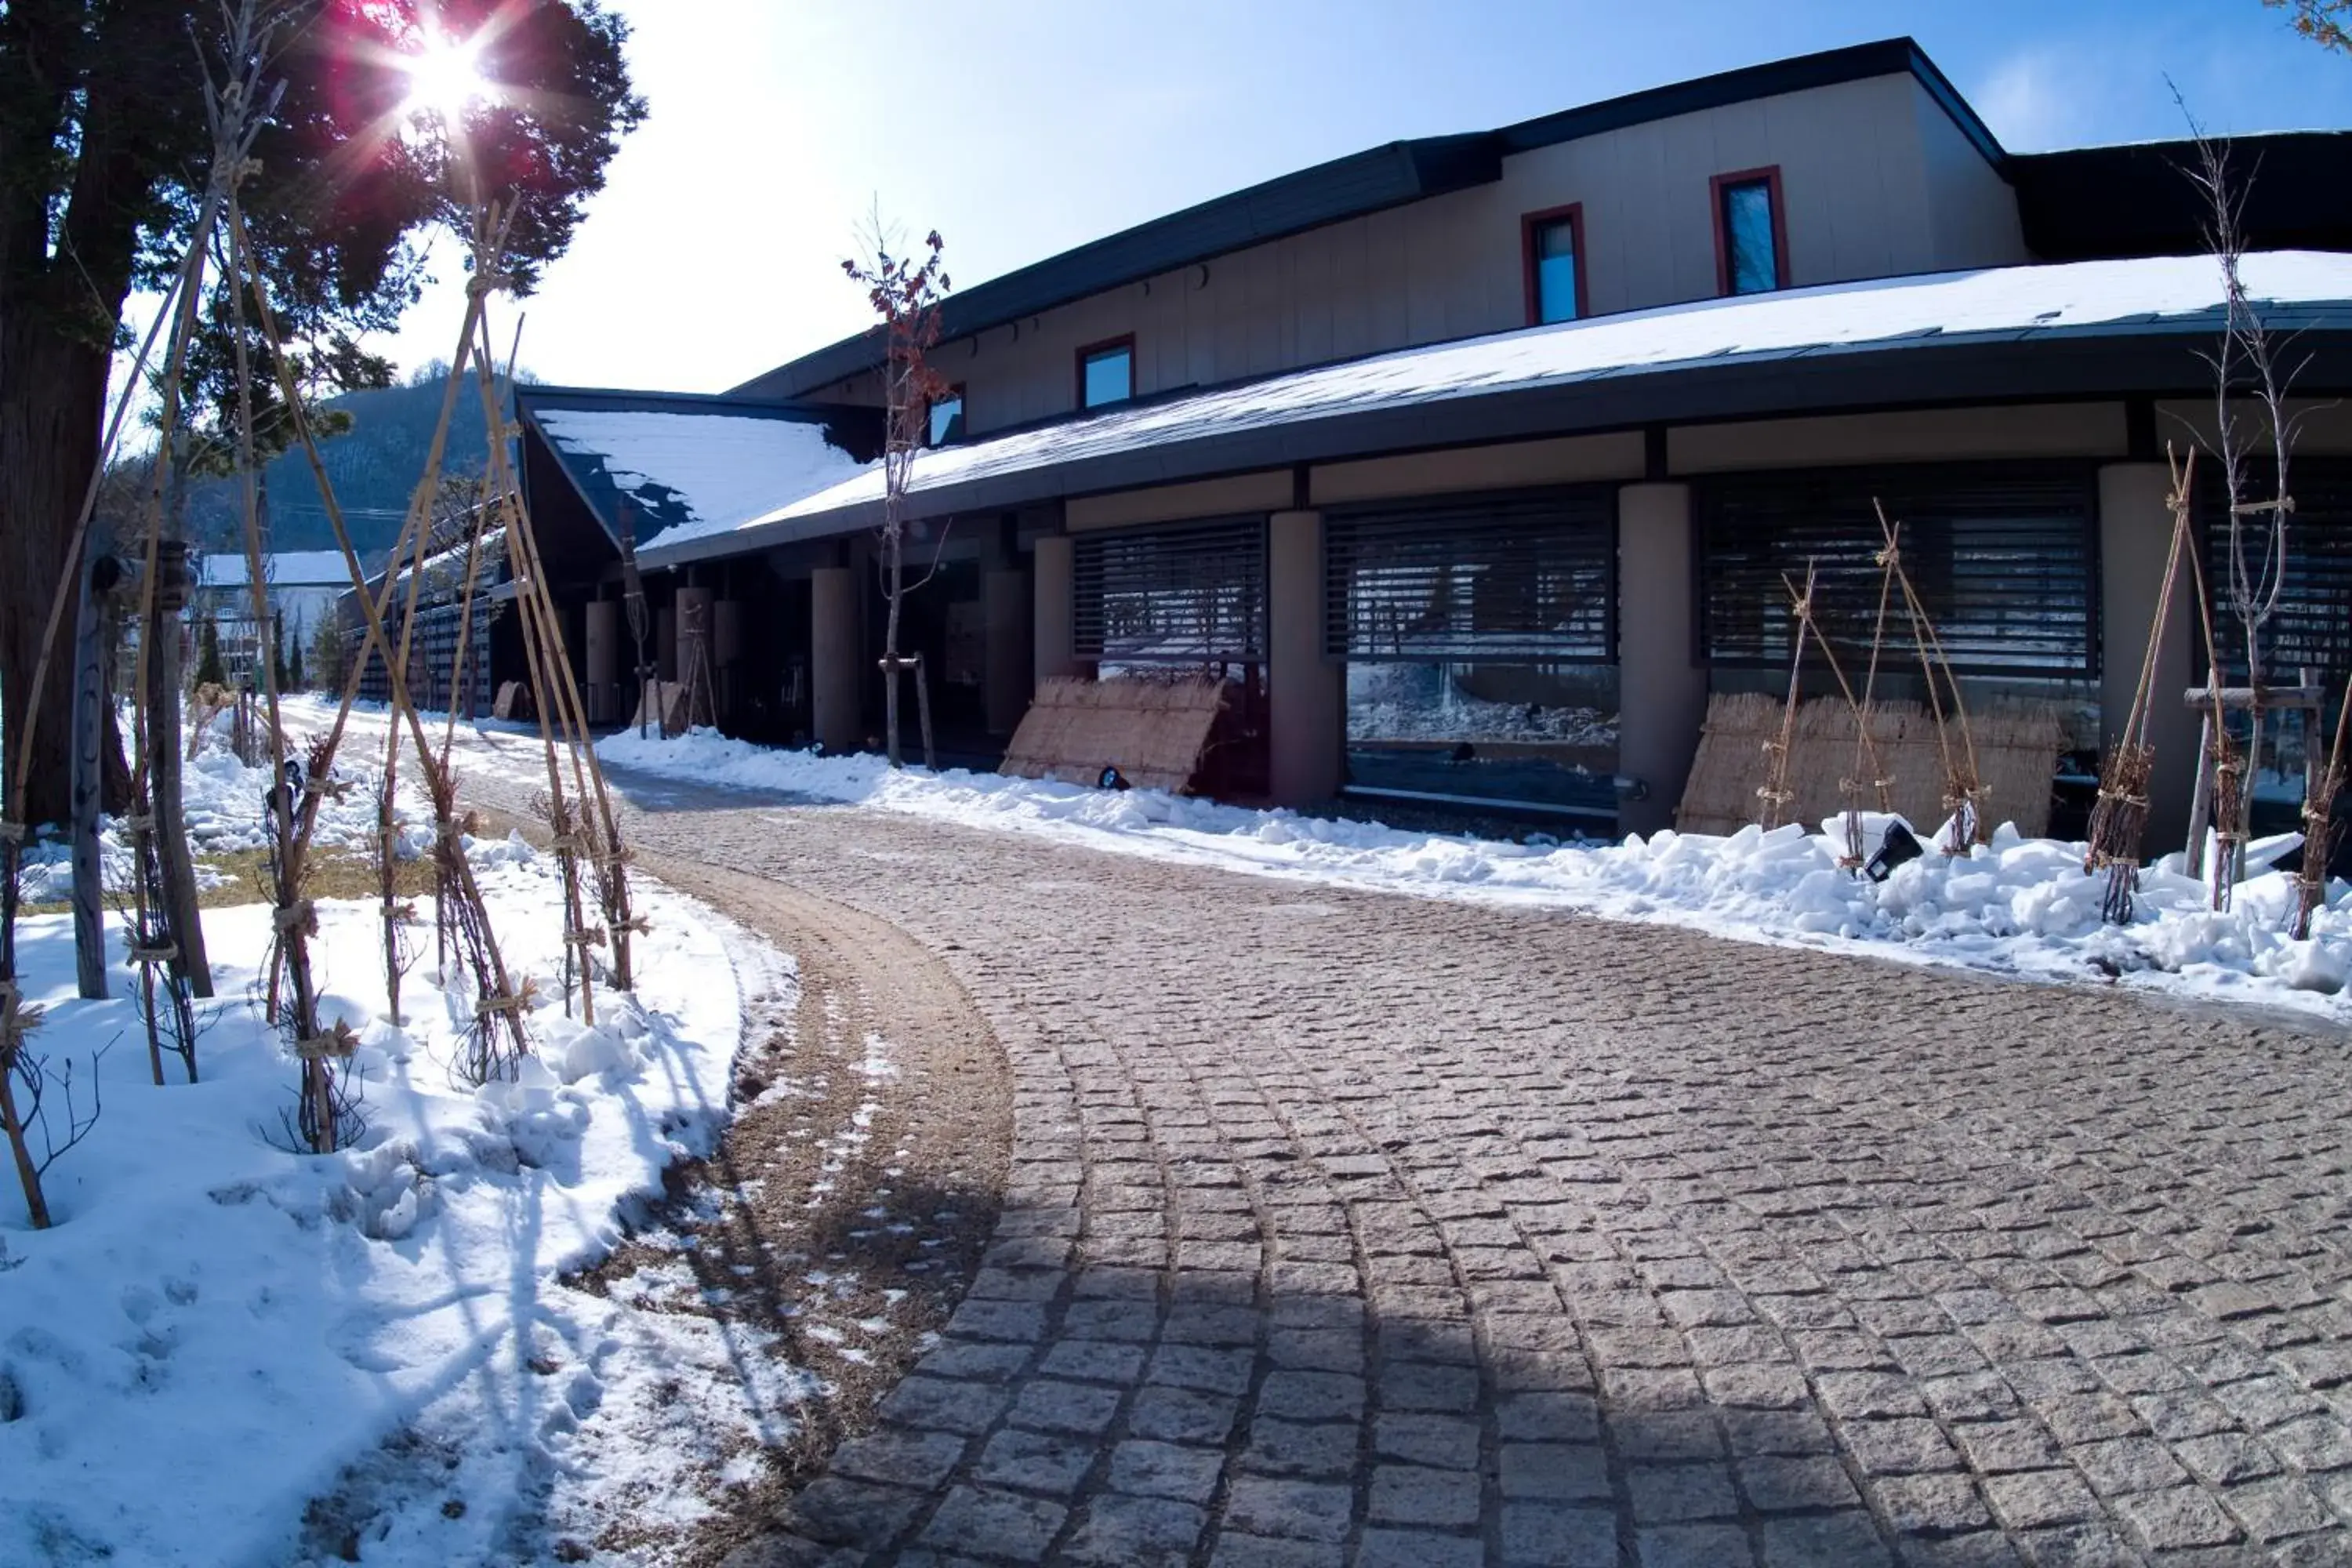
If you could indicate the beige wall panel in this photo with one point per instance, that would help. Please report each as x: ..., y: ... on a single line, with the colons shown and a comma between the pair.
x: 1874, y: 180
x: 1570, y: 459
x: 2325, y: 428
x: 1165, y: 503
x: 2037, y: 430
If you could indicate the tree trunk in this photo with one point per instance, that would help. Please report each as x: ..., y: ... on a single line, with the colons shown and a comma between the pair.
x: 52, y: 411
x: 85, y: 676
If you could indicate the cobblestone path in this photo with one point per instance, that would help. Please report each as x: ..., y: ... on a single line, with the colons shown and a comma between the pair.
x: 1346, y: 1227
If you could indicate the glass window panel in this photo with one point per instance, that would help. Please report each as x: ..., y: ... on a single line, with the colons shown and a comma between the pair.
x: 1752, y: 258
x: 947, y: 419
x: 1556, y: 271
x: 1110, y: 375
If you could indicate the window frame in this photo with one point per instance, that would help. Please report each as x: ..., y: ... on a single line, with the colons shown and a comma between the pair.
x: 1768, y: 176
x: 954, y: 394
x: 1572, y: 215
x: 1087, y: 351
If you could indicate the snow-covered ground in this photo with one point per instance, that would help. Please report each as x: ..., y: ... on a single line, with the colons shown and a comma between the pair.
x: 227, y: 1352
x: 2020, y: 907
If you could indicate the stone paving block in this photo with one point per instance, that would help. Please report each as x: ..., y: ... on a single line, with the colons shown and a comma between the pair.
x: 2182, y: 1517
x: 1559, y: 1472
x: 1554, y: 1417
x: 1308, y: 1510
x: 1023, y: 1322
x: 1149, y: 1468
x: 1311, y: 1397
x: 1182, y: 1415
x: 1386, y: 1548
x: 1535, y: 1535
x: 1668, y: 1435
x: 978, y: 1358
x: 1694, y: 1546
x: 1680, y: 1494
x: 1418, y: 1495
x: 1791, y: 1485
x: 899, y: 1457
x: 1055, y: 1407
x: 995, y: 1525
x: 1849, y: 1540
x: 1137, y: 1532
x: 1033, y: 1461
x: 967, y: 1407
x: 1931, y: 1505
x: 1898, y: 1448
x: 1121, y: 1320
x: 2034, y: 1500
x: 1097, y: 1361
x: 839, y: 1512
x: 1316, y: 1350
x: 1237, y: 1550
x: 2278, y: 1507
x: 2095, y: 1545
x: 1324, y: 1450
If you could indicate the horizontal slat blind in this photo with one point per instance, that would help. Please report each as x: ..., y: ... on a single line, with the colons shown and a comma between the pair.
x: 1186, y: 593
x: 2313, y: 624
x: 2004, y: 563
x: 1527, y: 577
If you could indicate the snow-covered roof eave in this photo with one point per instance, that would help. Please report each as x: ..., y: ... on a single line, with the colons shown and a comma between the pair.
x: 1988, y: 307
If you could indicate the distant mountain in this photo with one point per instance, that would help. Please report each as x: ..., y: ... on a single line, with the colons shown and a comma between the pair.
x: 374, y: 469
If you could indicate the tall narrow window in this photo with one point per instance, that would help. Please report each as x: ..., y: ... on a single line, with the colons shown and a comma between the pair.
x: 1751, y: 250
x: 1107, y: 373
x: 947, y: 417
x: 1553, y: 243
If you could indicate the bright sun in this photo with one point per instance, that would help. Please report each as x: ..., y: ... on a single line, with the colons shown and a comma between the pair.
x: 444, y: 79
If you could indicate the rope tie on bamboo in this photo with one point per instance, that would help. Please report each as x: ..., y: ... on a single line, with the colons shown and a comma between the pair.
x: 12, y: 833
x: 492, y: 1006
x: 565, y: 844
x: 138, y: 822
x: 591, y: 936
x: 401, y: 911
x: 635, y: 923
x: 161, y: 952
x: 339, y: 1041
x: 298, y: 918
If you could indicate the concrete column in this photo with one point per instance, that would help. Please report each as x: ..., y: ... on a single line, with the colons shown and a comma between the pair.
x: 1661, y: 684
x: 727, y: 653
x: 833, y: 657
x: 604, y: 660
x: 1056, y: 577
x: 1304, y: 689
x: 2135, y: 540
x: 1005, y: 605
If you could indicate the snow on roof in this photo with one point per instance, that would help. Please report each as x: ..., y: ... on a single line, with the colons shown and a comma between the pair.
x: 685, y: 476
x: 2016, y: 302
x: 285, y: 569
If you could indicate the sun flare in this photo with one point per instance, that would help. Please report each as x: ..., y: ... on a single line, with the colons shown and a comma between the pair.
x: 446, y: 79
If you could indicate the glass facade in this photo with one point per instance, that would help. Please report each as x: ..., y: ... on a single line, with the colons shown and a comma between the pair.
x: 947, y: 418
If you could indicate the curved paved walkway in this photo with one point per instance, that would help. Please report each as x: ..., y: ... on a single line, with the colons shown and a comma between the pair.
x: 1353, y: 1228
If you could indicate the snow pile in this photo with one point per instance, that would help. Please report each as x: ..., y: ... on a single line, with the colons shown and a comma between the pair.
x: 222, y: 804
x: 210, y: 1350
x: 2017, y: 905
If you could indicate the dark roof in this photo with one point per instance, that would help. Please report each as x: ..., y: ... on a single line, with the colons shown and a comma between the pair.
x: 2091, y: 203
x: 1352, y: 186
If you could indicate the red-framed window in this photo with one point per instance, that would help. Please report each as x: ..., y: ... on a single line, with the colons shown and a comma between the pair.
x: 1107, y: 372
x: 1751, y: 231
x: 1551, y: 254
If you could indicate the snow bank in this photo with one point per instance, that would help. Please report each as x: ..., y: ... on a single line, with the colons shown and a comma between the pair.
x: 217, y: 1327
x: 2017, y: 906
x: 221, y: 803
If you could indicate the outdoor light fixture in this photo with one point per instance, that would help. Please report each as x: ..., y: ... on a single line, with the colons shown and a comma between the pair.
x: 1897, y: 848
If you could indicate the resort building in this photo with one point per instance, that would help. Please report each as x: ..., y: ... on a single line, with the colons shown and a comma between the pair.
x: 1477, y: 464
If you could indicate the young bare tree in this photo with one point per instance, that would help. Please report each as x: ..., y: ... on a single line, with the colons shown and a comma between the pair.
x: 2250, y: 364
x: 905, y: 288
x: 2327, y: 22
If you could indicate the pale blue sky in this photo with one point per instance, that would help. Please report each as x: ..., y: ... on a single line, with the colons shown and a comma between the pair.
x: 1021, y: 129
